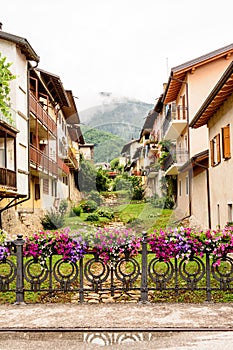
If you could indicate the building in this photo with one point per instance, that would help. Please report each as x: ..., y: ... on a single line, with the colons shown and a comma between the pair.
x: 14, y: 131
x: 40, y: 147
x: 216, y: 112
x: 188, y: 86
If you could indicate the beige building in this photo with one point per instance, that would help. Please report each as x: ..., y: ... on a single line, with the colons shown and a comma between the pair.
x: 188, y: 86
x: 216, y: 112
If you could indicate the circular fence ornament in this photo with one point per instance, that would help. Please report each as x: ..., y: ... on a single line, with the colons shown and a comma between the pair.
x: 35, y: 273
x: 65, y: 272
x: 223, y: 272
x: 192, y: 271
x: 96, y: 272
x: 8, y: 272
x: 160, y: 272
x: 127, y: 271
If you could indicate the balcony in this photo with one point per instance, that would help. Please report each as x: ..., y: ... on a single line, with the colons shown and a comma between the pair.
x: 70, y: 159
x: 8, y: 178
x: 42, y: 162
x: 175, y: 122
x: 42, y: 115
x: 173, y: 162
x: 65, y: 169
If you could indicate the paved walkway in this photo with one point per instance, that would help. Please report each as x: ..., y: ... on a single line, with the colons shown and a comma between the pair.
x: 117, y: 316
x: 116, y: 326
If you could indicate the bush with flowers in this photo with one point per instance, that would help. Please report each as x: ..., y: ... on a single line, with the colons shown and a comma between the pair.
x: 111, y: 243
x: 4, y: 249
x: 185, y: 243
x: 42, y: 245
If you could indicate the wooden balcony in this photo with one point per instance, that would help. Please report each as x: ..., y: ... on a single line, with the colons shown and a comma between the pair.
x: 65, y: 169
x: 8, y: 178
x: 70, y: 159
x: 41, y: 114
x: 42, y: 161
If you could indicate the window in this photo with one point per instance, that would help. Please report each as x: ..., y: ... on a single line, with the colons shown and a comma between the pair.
x: 218, y: 215
x: 215, y: 150
x: 46, y: 186
x: 7, y: 149
x: 37, y: 191
x: 187, y: 184
x: 229, y: 212
x: 54, y: 188
x: 226, y: 145
x: 180, y: 188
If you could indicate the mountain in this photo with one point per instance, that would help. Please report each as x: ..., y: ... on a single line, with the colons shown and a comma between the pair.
x: 107, y: 145
x: 122, y: 117
x: 110, y: 125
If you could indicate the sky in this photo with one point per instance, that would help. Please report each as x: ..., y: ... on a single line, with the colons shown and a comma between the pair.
x: 123, y: 47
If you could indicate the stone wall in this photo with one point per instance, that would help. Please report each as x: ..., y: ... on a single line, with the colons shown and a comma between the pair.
x: 22, y: 222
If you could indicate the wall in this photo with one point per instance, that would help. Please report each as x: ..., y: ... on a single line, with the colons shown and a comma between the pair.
x: 221, y: 175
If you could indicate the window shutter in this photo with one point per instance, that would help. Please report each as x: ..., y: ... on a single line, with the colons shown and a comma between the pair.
x: 226, y: 142
x: 212, y: 152
x: 218, y: 148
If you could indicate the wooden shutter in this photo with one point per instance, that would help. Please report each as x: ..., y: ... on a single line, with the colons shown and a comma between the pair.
x: 218, y: 148
x: 226, y: 142
x: 212, y: 152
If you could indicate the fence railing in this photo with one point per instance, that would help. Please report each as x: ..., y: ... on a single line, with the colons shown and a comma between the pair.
x: 144, y: 273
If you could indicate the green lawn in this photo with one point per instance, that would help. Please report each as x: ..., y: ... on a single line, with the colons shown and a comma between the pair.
x: 138, y: 215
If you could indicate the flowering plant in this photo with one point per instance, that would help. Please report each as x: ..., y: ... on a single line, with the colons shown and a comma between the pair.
x: 4, y: 250
x: 186, y: 243
x: 110, y: 243
x: 42, y: 245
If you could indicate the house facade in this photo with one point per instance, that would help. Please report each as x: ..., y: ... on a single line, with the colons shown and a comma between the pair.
x: 39, y: 150
x: 188, y: 86
x: 14, y: 131
x: 216, y: 112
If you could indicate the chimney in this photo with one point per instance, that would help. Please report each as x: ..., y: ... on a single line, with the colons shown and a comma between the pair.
x: 0, y: 26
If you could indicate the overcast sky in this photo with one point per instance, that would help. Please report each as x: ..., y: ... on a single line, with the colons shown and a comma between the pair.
x: 126, y: 47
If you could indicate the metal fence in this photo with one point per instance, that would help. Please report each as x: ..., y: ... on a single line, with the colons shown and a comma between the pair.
x: 144, y: 273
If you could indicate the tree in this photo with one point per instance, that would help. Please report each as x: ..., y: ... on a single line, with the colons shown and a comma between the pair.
x: 5, y: 78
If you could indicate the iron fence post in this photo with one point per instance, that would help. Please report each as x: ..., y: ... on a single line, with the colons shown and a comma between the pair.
x: 144, y: 281
x: 208, y: 283
x: 20, y: 273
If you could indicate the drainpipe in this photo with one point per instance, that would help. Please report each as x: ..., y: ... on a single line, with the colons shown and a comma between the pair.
x: 13, y: 203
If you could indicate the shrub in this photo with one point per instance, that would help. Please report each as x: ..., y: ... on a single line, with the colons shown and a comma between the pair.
x: 52, y: 219
x: 106, y: 213
x: 77, y: 210
x: 92, y: 217
x: 63, y: 206
x: 89, y: 206
x: 95, y: 196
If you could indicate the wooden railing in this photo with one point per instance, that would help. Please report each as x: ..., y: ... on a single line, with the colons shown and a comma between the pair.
x: 42, y: 161
x: 7, y: 177
x: 63, y: 166
x: 41, y: 114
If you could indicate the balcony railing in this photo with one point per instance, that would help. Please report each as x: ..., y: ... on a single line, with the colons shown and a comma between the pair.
x: 42, y: 115
x: 177, y: 158
x: 7, y: 178
x: 70, y: 159
x: 42, y: 161
x: 63, y: 166
x: 175, y: 121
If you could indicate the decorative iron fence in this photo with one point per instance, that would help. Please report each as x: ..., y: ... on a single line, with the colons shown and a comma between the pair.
x: 144, y: 274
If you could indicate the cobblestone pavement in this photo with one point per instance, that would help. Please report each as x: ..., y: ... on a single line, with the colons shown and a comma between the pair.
x: 98, y: 326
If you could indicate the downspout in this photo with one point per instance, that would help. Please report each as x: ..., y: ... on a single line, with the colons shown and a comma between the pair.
x: 11, y: 204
